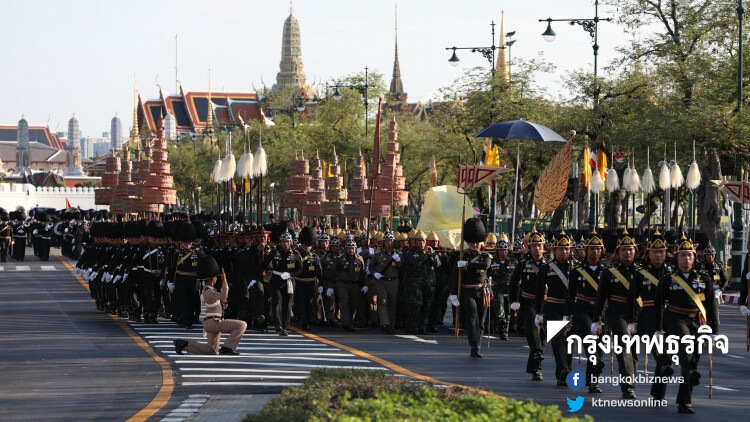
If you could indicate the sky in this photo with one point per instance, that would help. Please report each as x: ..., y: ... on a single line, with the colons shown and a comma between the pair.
x: 81, y: 56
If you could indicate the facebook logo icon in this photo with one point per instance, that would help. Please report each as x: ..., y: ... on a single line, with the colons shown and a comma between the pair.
x: 575, y: 380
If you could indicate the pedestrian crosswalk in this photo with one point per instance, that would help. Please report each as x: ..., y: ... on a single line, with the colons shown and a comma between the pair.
x: 30, y: 268
x: 266, y: 360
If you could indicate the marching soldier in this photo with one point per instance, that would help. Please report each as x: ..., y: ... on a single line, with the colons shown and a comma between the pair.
x: 258, y: 284
x: 580, y: 257
x: 6, y: 236
x: 442, y: 284
x: 152, y: 271
x: 44, y: 235
x: 19, y: 236
x: 584, y: 285
x: 642, y: 318
x: 523, y: 289
x: 419, y: 268
x: 350, y: 283
x: 613, y: 293
x: 689, y: 294
x: 310, y: 282
x: 284, y: 263
x: 330, y: 275
x: 385, y: 267
x: 556, y: 306
x: 715, y: 270
x: 475, y: 292
x: 185, y: 276
x: 501, y: 271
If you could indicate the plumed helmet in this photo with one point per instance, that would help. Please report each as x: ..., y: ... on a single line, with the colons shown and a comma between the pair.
x: 207, y: 267
x: 308, y: 236
x: 474, y: 231
x: 4, y: 215
x: 581, y: 244
x: 626, y: 241
x: 351, y: 244
x: 710, y: 250
x: 323, y: 237
x: 155, y: 229
x: 594, y: 240
x: 348, y: 237
x: 335, y: 241
x: 562, y: 241
x: 41, y: 216
x: 186, y: 232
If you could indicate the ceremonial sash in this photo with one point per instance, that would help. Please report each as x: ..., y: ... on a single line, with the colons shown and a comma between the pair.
x: 184, y: 258
x: 690, y: 293
x: 588, y: 278
x: 649, y: 276
x: 559, y: 273
x: 624, y: 282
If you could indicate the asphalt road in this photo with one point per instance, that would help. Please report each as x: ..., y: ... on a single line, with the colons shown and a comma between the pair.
x: 502, y: 370
x: 60, y: 358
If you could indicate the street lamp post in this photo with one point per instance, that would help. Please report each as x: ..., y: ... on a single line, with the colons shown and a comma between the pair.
x: 738, y: 226
x: 363, y: 90
x: 489, y: 54
x: 592, y: 27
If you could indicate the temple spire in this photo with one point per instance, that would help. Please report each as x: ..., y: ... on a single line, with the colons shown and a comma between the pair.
x: 502, y: 57
x: 397, y: 86
x: 134, y: 130
x: 210, y: 117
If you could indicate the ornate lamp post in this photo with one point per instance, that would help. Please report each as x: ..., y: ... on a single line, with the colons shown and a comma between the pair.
x: 362, y: 88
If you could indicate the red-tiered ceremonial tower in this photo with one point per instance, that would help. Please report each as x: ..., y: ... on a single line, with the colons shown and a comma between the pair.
x: 315, y: 195
x: 336, y: 193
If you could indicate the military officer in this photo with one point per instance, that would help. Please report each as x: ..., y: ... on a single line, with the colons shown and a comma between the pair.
x: 6, y: 235
x: 689, y: 294
x: 185, y: 276
x: 350, y: 283
x: 284, y: 263
x: 419, y: 266
x: 475, y: 292
x: 523, y: 289
x: 309, y: 281
x: 501, y: 271
x: 385, y: 267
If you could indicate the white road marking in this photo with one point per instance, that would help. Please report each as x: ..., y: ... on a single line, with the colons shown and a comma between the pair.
x: 49, y: 268
x: 735, y: 356
x: 721, y: 388
x: 275, y: 364
x: 23, y: 268
x: 417, y: 339
x: 266, y: 384
x: 245, y: 376
x: 270, y: 371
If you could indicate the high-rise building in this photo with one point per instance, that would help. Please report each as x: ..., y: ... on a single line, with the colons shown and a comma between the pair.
x: 290, y: 67
x: 74, y: 167
x: 116, y: 130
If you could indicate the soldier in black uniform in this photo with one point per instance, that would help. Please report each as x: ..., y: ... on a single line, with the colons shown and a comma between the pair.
x: 557, y: 305
x: 523, y: 288
x: 642, y: 315
x: 44, y: 235
x: 185, y: 278
x: 152, y: 271
x: 691, y: 304
x: 330, y: 275
x: 501, y: 272
x: 475, y: 292
x: 584, y: 284
x: 284, y: 263
x: 613, y: 293
x: 19, y: 236
x: 715, y: 270
x: 6, y: 235
x: 309, y: 281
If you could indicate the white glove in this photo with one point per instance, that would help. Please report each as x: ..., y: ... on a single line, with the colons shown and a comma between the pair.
x: 320, y: 290
x: 454, y: 300
x: 372, y: 251
x: 125, y: 277
x: 117, y: 278
x: 538, y: 320
x: 462, y: 264
x: 745, y: 311
x: 717, y: 293
x: 252, y: 283
x: 329, y: 292
x: 162, y: 282
x: 93, y: 275
x: 364, y: 289
x: 76, y: 271
x: 595, y: 328
x: 378, y: 276
x: 632, y: 329
x: 514, y: 306
x: 170, y: 286
x: 396, y: 258
x: 286, y: 276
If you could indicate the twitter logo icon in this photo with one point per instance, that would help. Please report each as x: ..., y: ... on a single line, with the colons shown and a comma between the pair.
x: 575, y: 405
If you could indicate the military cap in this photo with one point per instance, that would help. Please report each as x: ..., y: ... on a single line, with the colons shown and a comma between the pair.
x: 412, y: 233
x: 432, y: 236
x: 710, y: 250
x: 657, y: 242
x: 562, y: 241
x: 581, y: 244
x: 286, y: 235
x: 388, y: 236
x: 350, y: 243
x: 335, y: 241
x: 626, y: 241
x: 323, y: 237
x: 594, y: 240
x: 491, y: 238
x: 684, y: 245
x: 420, y: 235
x: 518, y: 243
x: 308, y: 236
x: 535, y: 237
x: 207, y: 267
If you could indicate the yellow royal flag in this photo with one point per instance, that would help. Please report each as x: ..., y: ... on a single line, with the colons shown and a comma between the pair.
x: 247, y: 186
x: 493, y: 157
x: 601, y: 163
x: 586, y: 167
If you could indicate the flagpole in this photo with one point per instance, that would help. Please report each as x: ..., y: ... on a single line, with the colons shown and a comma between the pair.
x: 515, y: 192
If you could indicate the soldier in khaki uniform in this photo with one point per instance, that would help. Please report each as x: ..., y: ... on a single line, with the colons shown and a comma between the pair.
x: 350, y: 283
x: 385, y: 269
x: 329, y: 275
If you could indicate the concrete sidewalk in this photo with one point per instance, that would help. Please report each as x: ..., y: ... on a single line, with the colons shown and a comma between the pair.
x: 230, y: 408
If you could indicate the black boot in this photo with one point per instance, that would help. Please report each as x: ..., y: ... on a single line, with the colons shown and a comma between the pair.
x: 180, y: 345
x: 227, y: 351
x: 475, y: 353
x: 685, y: 408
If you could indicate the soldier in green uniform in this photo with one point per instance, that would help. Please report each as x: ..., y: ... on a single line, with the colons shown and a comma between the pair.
x: 553, y: 302
x: 613, y: 294
x: 501, y: 270
x: 285, y: 263
x: 419, y: 268
x: 715, y: 270
x: 642, y: 314
x: 6, y: 235
x: 309, y: 281
x: 330, y: 275
x: 691, y: 304
x: 475, y: 292
x: 350, y: 283
x: 584, y: 284
x: 385, y: 268
x: 523, y: 289
x: 442, y: 284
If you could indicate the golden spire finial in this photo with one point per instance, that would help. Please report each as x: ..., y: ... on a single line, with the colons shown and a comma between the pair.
x: 210, y: 118
x: 134, y: 130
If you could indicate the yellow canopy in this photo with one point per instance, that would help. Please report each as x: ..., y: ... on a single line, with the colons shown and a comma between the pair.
x: 441, y: 214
